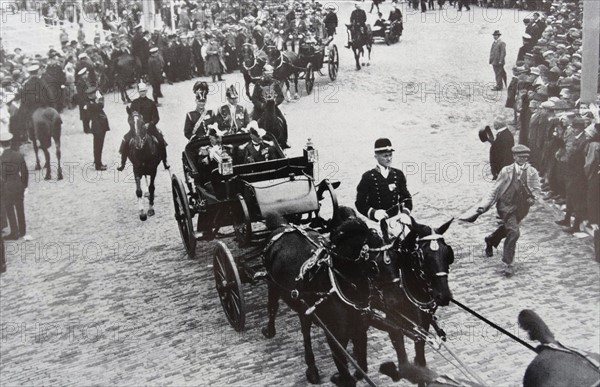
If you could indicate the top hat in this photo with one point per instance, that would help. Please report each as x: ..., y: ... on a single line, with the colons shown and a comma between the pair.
x: 485, y: 134
x: 383, y: 145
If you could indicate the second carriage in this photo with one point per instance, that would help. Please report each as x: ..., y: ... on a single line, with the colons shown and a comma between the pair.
x: 313, y: 56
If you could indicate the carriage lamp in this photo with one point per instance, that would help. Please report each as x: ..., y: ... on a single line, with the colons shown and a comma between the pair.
x: 225, y: 165
x: 310, y: 152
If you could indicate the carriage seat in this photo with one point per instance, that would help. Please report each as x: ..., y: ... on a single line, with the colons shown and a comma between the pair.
x: 192, y: 150
x: 284, y: 196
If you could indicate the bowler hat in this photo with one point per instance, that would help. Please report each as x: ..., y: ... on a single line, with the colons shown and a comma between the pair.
x: 520, y: 150
x: 383, y: 145
x: 497, y: 32
x: 485, y: 133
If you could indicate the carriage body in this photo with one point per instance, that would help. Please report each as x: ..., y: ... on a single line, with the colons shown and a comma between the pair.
x: 390, y: 33
x: 246, y: 195
x: 312, y: 57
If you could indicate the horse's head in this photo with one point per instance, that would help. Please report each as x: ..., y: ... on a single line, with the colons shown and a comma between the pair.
x: 137, y: 127
x: 248, y: 54
x: 425, y: 252
x: 273, y: 54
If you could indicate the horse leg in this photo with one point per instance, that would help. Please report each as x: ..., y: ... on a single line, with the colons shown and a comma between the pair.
x: 151, y: 197
x: 35, y: 150
x: 312, y: 372
x: 138, y: 193
x: 272, y: 308
x: 342, y: 378
x: 389, y: 368
x: 59, y: 175
x: 359, y: 343
x: 288, y: 94
x: 356, y: 57
x: 47, y: 165
x: 296, y: 96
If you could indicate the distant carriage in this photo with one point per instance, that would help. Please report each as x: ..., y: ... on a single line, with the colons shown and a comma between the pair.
x: 311, y: 58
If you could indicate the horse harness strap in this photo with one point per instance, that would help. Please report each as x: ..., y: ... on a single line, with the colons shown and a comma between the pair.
x: 336, y: 289
x: 563, y: 348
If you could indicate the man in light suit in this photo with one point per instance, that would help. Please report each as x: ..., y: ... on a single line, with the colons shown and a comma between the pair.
x: 513, y: 195
x: 497, y: 56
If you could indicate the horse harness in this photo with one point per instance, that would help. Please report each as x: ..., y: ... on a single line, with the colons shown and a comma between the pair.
x: 557, y: 346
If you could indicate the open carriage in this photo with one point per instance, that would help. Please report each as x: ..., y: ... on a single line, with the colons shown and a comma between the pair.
x: 313, y: 56
x: 241, y: 198
x: 389, y: 32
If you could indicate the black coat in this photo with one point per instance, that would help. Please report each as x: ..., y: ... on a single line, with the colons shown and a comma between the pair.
x: 99, y: 121
x: 156, y: 66
x: 501, y: 152
x: 191, y: 119
x: 331, y: 22
x: 147, y: 108
x: 14, y: 175
x: 374, y: 192
x: 358, y: 16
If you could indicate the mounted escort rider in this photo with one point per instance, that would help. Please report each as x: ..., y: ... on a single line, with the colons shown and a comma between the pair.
x: 269, y: 88
x: 358, y: 20
x: 149, y: 112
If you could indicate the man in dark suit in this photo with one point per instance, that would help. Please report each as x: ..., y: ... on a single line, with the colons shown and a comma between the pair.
x: 35, y: 93
x: 98, y: 124
x: 156, y: 65
x: 497, y: 58
x: 330, y: 21
x: 197, y: 55
x: 232, y: 117
x: 501, y: 145
x: 382, y: 188
x: 14, y: 177
x: 147, y: 108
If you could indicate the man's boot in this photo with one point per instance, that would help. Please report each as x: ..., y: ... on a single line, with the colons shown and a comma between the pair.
x: 566, y: 221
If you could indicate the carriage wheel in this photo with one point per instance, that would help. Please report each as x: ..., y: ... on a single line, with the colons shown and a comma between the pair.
x: 328, y: 204
x: 309, y: 78
x: 183, y: 217
x: 242, y: 225
x: 334, y: 62
x: 229, y: 287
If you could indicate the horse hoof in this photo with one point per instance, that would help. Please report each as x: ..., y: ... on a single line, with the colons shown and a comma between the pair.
x: 342, y: 382
x: 296, y: 96
x: 268, y: 333
x: 358, y: 375
x: 38, y: 167
x: 59, y: 176
x: 151, y: 212
x: 146, y: 194
x: 48, y: 177
x: 143, y: 216
x: 368, y: 64
x: 312, y: 375
x: 389, y: 369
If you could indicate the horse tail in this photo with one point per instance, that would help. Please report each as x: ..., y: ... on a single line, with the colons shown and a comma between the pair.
x: 274, y: 220
x: 535, y: 326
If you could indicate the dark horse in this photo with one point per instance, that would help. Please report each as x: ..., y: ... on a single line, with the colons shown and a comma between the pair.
x: 333, y: 281
x: 144, y: 155
x: 425, y: 262
x: 272, y: 121
x: 43, y: 126
x: 285, y: 66
x: 360, y: 39
x: 252, y: 65
x: 555, y: 364
x: 127, y: 71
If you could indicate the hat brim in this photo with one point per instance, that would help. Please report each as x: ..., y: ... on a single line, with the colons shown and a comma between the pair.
x: 384, y: 149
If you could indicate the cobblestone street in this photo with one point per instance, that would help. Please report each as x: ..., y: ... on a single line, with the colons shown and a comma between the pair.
x: 101, y: 298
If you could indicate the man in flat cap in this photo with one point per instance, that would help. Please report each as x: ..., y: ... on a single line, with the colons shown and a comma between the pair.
x: 513, y: 194
x: 497, y: 57
x: 382, y: 191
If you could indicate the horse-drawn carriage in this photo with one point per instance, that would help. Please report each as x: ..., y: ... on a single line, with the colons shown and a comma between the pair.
x: 313, y: 56
x: 242, y: 196
x: 389, y: 32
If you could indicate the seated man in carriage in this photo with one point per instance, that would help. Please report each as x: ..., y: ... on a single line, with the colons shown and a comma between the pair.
x: 149, y: 112
x: 257, y: 149
x: 358, y: 20
x: 232, y: 117
x: 269, y: 89
x: 209, y: 159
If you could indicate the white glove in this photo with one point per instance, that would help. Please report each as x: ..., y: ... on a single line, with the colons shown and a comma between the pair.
x: 379, y: 214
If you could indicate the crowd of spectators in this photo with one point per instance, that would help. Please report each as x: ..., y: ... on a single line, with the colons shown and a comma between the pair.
x: 562, y: 132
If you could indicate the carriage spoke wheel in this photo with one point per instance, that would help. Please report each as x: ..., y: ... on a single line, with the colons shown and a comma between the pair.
x: 229, y: 287
x: 328, y: 204
x: 242, y: 225
x: 309, y: 78
x: 183, y: 216
x: 334, y: 62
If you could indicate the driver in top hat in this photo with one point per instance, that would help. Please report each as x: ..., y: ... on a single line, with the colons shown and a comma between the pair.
x: 232, y: 117
x: 382, y: 188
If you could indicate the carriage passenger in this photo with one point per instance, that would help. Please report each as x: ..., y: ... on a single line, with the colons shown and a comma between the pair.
x: 257, y: 149
x: 232, y: 117
x: 209, y: 158
x: 197, y: 121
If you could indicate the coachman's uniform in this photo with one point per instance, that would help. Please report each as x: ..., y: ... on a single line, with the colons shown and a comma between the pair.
x: 376, y: 192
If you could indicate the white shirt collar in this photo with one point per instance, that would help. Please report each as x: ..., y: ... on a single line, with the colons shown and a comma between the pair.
x: 383, y: 170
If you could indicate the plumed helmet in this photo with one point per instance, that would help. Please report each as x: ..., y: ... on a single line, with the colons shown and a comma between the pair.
x: 201, y: 90
x: 231, y: 92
